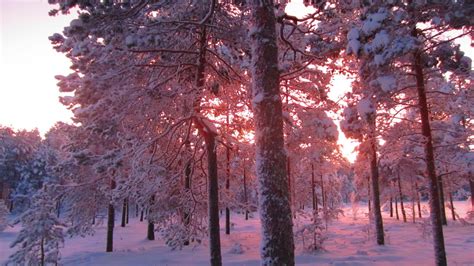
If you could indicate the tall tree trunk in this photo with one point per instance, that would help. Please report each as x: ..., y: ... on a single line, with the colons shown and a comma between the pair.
x: 277, y: 247
x: 110, y: 223
x: 227, y: 185
x: 214, y: 228
x: 438, y: 237
x: 136, y: 210
x: 374, y: 176
x: 187, y: 187
x: 124, y: 212
x: 400, y: 193
x: 141, y: 215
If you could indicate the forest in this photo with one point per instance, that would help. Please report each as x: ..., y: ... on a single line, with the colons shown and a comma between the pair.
x: 211, y: 132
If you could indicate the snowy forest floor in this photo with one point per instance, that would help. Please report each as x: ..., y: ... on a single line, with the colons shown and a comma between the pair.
x: 348, y: 243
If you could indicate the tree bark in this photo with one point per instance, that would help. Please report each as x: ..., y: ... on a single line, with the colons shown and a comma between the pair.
x: 227, y: 186
x: 127, y: 209
x: 215, y: 242
x: 400, y: 193
x: 374, y: 176
x: 396, y: 208
x: 42, y: 251
x: 124, y: 212
x: 313, y: 192
x: 150, y: 233
x: 438, y: 237
x: 442, y: 204
x: 391, y: 207
x: 245, y: 194
x: 187, y: 187
x: 453, y: 213
x: 277, y: 247
x: 110, y: 223
x: 418, y: 200
x: 471, y: 185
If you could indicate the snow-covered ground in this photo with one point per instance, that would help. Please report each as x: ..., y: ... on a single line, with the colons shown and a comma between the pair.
x: 348, y: 243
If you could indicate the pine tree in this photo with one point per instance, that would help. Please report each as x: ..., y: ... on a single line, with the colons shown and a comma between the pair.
x: 42, y: 233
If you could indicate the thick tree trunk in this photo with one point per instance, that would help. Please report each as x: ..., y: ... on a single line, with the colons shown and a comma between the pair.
x: 374, y: 176
x: 277, y: 247
x: 214, y: 228
x: 438, y: 237
x: 400, y: 193
x: 110, y: 223
x: 442, y: 204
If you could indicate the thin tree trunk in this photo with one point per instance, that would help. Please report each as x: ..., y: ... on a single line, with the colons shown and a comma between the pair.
x: 401, y: 197
x: 245, y: 194
x: 369, y: 195
x: 128, y: 214
x: 418, y: 200
x: 58, y: 207
x: 141, y: 215
x: 413, y: 211
x: 313, y: 192
x: 136, y: 210
x: 110, y: 223
x: 124, y: 212
x: 453, y: 213
x: 391, y: 207
x: 42, y: 251
x: 187, y: 187
x: 227, y: 185
x: 438, y: 237
x: 396, y: 208
x: 277, y: 247
x: 150, y: 234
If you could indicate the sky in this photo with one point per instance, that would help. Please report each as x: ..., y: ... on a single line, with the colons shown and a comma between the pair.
x: 28, y: 64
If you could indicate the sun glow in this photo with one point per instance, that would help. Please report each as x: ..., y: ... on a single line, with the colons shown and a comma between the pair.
x: 28, y: 64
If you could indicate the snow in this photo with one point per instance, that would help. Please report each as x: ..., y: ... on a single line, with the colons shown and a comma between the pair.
x: 365, y: 107
x: 348, y: 243
x: 374, y: 22
x: 387, y: 83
